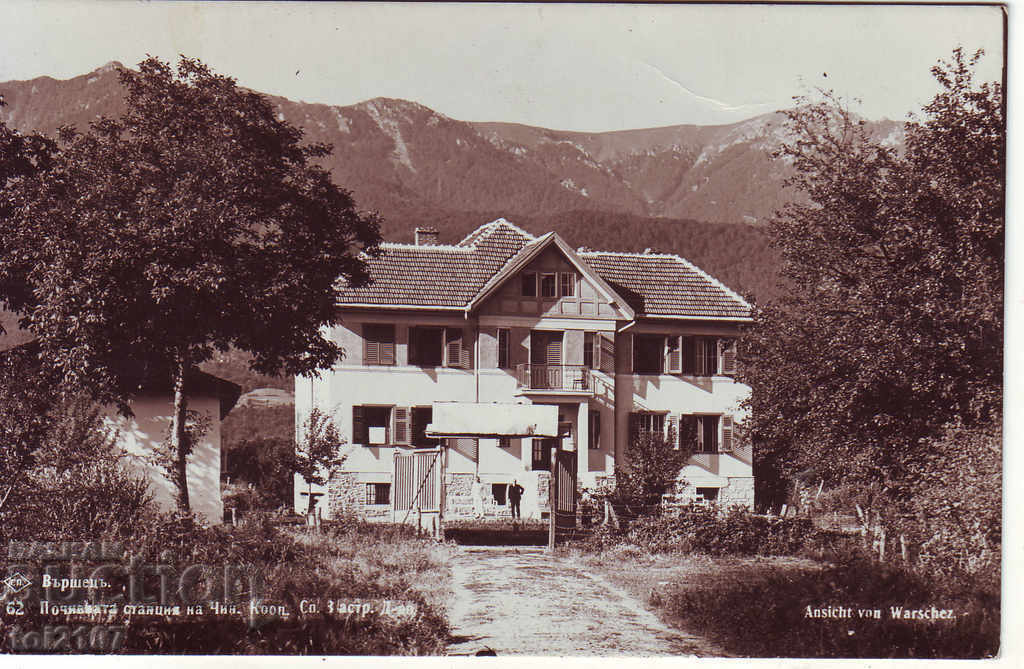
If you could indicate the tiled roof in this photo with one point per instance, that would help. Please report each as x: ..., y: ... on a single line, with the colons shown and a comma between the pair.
x: 451, y: 276
x: 438, y: 276
x: 657, y: 284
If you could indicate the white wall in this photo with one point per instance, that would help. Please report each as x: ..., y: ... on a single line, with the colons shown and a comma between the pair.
x: 149, y: 427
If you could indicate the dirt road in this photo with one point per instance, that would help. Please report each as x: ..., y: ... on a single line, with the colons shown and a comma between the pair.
x: 524, y: 601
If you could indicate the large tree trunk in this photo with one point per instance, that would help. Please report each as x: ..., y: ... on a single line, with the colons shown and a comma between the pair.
x: 179, y: 445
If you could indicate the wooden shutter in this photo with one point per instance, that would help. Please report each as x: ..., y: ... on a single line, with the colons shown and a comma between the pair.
x: 606, y: 352
x: 467, y: 350
x: 728, y: 353
x: 553, y: 355
x: 672, y: 431
x: 727, y: 435
x: 378, y: 344
x: 371, y: 347
x: 402, y: 425
x: 453, y: 344
x: 360, y: 434
x: 675, y: 358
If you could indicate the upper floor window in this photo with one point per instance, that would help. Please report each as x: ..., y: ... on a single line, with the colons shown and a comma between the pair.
x: 378, y: 344
x: 504, y: 349
x: 529, y: 284
x: 426, y: 346
x: 372, y: 425
x: 648, y: 352
x: 548, y: 285
x: 437, y: 346
x: 566, y: 284
x: 594, y: 429
x: 588, y: 349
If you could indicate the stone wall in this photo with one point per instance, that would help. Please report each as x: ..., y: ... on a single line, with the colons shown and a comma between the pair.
x: 346, y: 494
x: 459, y: 498
x: 739, y: 492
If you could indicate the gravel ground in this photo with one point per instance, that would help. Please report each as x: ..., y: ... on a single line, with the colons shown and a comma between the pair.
x: 524, y: 601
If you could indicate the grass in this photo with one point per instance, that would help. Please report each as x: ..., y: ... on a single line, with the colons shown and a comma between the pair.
x: 349, y: 562
x: 758, y: 606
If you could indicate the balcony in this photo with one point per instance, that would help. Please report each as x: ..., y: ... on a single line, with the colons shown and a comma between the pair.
x: 575, y: 379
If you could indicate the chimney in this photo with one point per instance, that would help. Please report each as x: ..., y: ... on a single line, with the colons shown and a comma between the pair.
x: 427, y: 236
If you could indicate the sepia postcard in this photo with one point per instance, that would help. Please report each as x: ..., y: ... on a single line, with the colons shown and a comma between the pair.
x: 597, y: 332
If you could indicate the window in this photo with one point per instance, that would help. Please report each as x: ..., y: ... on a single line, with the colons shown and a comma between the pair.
x: 378, y: 493
x: 504, y: 442
x: 702, y: 433
x: 426, y: 346
x: 673, y: 354
x: 567, y: 284
x: 594, y: 432
x: 378, y: 344
x: 542, y: 453
x: 548, y: 286
x: 707, y: 356
x: 708, y: 349
x: 648, y: 354
x: 498, y: 491
x: 421, y: 417
x: 371, y: 425
x: 588, y: 350
x: 707, y: 495
x: 504, y: 350
x: 646, y: 422
x: 529, y: 284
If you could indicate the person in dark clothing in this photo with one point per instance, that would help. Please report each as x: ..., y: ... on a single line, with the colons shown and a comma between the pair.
x: 515, y: 493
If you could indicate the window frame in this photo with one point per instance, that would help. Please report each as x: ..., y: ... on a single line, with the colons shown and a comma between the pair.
x: 505, y: 349
x: 594, y: 431
x: 567, y: 280
x: 376, y: 488
x: 658, y: 357
x: 544, y: 277
x: 416, y: 352
x: 635, y: 417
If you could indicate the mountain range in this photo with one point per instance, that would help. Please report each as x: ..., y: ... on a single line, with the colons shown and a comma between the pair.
x: 669, y: 188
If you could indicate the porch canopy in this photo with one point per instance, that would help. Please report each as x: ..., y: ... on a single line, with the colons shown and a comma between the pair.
x: 494, y: 419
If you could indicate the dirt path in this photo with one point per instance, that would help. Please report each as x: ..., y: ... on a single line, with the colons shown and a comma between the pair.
x: 524, y: 601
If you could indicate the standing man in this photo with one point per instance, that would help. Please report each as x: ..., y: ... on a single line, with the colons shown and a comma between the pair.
x: 477, y: 495
x: 515, y: 494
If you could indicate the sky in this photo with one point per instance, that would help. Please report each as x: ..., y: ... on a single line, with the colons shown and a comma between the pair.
x: 570, y: 67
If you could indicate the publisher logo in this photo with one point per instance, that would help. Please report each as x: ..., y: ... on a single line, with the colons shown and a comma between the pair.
x: 16, y: 582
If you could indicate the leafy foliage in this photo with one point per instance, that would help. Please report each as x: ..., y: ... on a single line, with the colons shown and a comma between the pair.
x: 318, y: 449
x: 893, y: 328
x: 193, y: 223
x: 651, y: 469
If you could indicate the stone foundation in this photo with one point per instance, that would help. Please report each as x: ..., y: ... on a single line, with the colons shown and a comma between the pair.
x: 739, y: 492
x: 346, y: 494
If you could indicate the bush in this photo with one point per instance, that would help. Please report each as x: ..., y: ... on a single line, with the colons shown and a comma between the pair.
x: 705, y: 530
x: 279, y: 566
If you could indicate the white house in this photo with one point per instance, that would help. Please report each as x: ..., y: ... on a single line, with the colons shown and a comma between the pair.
x: 617, y: 343
x: 139, y: 434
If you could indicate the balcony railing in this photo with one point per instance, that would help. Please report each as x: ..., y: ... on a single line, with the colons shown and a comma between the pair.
x: 554, y: 377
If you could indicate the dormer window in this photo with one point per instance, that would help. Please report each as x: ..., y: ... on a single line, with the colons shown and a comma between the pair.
x: 529, y: 283
x: 548, y: 285
x: 567, y: 284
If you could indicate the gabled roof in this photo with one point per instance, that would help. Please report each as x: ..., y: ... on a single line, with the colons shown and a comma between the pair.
x: 461, y: 276
x: 666, y: 285
x: 534, y: 249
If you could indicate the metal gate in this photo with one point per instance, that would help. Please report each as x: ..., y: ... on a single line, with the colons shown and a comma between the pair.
x: 563, y: 495
x: 418, y: 494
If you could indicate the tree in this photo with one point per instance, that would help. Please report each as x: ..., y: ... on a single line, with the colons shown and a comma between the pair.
x: 194, y: 223
x: 652, y: 467
x: 893, y: 327
x: 317, y: 451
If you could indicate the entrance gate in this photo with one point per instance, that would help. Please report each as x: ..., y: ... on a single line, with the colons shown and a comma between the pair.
x: 418, y: 489
x: 563, y: 495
